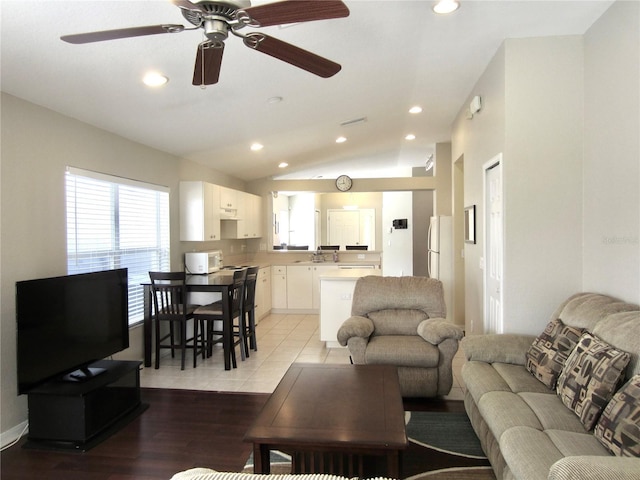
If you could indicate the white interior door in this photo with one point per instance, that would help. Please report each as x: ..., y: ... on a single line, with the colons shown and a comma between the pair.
x: 494, y: 246
x: 343, y: 227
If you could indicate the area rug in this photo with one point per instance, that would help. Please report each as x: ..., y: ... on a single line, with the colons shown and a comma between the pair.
x: 442, y: 446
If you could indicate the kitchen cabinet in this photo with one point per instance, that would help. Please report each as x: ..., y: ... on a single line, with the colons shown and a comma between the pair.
x: 279, y: 287
x: 299, y: 287
x: 246, y: 221
x: 228, y: 198
x: 263, y: 293
x: 249, y: 223
x: 199, y: 211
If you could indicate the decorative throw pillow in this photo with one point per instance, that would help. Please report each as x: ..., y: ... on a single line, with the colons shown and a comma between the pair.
x: 619, y: 426
x: 590, y: 377
x: 549, y: 352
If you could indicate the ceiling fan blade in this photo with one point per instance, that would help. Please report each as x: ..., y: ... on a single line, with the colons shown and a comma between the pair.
x: 293, y: 11
x: 208, y: 63
x: 121, y: 33
x: 291, y: 54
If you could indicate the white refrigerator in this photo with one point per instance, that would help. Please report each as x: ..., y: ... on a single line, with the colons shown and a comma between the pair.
x: 440, y: 257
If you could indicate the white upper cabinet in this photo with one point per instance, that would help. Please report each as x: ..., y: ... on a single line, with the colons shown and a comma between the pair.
x: 199, y: 211
x: 204, y: 218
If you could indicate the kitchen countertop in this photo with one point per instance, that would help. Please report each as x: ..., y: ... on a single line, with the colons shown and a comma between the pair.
x: 349, y: 273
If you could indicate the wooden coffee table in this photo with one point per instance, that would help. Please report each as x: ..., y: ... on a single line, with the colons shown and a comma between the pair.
x: 330, y: 418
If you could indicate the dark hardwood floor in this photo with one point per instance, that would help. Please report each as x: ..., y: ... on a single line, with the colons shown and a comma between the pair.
x: 181, y: 429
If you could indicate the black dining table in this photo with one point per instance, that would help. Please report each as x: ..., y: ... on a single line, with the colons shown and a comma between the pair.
x: 221, y: 282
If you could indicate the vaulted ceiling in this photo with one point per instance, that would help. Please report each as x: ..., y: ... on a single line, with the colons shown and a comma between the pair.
x: 394, y: 55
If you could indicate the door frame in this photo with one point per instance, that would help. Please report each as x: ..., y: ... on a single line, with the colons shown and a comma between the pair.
x: 496, y: 161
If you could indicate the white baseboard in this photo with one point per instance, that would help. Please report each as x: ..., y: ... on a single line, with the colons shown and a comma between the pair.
x: 13, y: 434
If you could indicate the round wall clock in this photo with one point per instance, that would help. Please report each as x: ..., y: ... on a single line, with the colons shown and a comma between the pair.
x: 344, y: 183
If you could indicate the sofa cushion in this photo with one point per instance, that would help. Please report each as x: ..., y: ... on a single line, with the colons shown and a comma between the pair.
x: 394, y: 321
x: 619, y: 426
x: 505, y: 410
x: 549, y: 352
x: 401, y: 350
x: 529, y: 452
x: 480, y: 378
x: 519, y: 379
x: 573, y: 443
x: 551, y: 413
x: 590, y: 377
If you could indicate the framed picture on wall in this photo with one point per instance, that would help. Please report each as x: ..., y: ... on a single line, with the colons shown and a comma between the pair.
x: 470, y: 224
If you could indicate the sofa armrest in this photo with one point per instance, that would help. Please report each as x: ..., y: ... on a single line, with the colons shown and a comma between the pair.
x: 595, y: 467
x: 437, y: 330
x: 497, y: 348
x: 354, y: 327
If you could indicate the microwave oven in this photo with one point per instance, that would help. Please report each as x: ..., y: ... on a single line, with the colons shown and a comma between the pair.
x: 202, y: 263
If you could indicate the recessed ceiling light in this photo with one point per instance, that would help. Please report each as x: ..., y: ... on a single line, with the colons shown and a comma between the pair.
x: 283, y: 165
x: 154, y: 79
x: 446, y: 6
x: 411, y: 136
x: 257, y: 147
x: 341, y: 139
x: 415, y: 109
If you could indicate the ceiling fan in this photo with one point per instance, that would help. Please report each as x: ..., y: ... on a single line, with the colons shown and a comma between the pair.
x: 218, y: 18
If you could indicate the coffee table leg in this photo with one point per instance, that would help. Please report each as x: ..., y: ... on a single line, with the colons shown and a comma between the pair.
x: 261, y: 458
x: 394, y: 464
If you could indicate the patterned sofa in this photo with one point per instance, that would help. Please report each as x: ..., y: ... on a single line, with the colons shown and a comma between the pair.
x: 565, y: 404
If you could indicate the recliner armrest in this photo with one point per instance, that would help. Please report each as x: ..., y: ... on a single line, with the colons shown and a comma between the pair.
x: 437, y: 330
x: 591, y: 466
x: 497, y: 348
x: 355, y: 327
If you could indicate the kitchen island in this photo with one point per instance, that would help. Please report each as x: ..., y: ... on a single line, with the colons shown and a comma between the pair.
x: 336, y: 294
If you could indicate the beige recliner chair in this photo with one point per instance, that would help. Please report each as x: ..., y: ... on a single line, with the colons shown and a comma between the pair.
x: 401, y: 321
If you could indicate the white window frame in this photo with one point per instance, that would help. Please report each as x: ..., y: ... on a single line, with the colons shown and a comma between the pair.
x: 113, y: 236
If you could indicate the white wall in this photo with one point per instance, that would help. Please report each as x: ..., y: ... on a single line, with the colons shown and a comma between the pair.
x: 542, y: 175
x: 37, y: 145
x: 478, y: 140
x: 612, y: 153
x: 397, y: 260
x: 532, y: 113
x: 564, y: 113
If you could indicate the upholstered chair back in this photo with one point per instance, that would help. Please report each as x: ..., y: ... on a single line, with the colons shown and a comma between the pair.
x: 397, y: 305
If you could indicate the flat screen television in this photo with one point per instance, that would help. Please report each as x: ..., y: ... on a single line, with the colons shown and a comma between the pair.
x: 66, y: 323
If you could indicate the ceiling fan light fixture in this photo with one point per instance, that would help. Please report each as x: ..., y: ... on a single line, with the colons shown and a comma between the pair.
x: 446, y: 6
x: 155, y: 79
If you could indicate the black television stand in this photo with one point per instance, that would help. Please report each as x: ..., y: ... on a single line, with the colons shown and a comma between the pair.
x: 78, y: 415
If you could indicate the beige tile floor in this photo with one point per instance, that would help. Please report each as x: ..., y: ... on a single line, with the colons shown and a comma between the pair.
x: 282, y: 340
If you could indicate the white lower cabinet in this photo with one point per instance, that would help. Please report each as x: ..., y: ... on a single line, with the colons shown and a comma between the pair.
x: 279, y: 287
x: 299, y: 287
x: 263, y: 293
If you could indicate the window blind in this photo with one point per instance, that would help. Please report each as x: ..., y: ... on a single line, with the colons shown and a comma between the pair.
x: 114, y: 222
